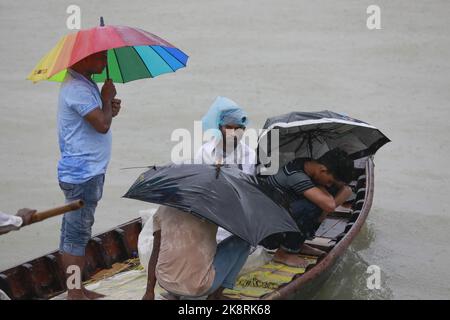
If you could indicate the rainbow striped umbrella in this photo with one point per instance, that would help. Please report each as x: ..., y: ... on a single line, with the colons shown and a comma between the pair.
x: 132, y: 54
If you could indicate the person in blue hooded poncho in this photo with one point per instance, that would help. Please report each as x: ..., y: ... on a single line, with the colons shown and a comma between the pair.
x: 225, y: 122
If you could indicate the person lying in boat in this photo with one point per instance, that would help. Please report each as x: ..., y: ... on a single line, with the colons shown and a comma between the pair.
x: 15, y: 222
x: 227, y: 121
x: 307, y: 184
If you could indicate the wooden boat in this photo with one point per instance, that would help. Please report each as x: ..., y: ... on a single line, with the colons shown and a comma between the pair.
x: 43, y: 278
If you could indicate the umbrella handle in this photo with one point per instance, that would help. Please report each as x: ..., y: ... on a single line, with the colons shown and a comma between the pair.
x: 107, y: 72
x: 218, y: 166
x: 102, y: 24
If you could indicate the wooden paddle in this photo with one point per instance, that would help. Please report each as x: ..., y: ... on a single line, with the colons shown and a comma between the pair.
x: 39, y: 216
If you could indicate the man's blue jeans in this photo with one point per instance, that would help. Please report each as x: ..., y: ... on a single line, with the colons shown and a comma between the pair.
x: 231, y: 255
x: 76, y: 227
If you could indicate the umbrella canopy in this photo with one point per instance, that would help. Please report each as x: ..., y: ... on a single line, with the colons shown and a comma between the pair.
x: 227, y: 197
x: 132, y: 54
x: 311, y: 134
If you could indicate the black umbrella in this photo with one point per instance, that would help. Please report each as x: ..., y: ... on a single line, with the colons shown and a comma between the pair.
x: 311, y: 134
x: 223, y: 195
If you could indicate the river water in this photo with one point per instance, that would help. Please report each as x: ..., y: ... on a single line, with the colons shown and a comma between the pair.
x: 271, y: 57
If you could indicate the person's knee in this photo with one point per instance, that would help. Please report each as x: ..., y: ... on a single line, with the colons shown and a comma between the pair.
x: 88, y: 217
x: 302, y: 209
x: 78, y: 230
x: 273, y: 241
x: 77, y: 238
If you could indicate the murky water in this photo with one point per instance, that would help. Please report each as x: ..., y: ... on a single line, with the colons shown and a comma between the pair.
x: 271, y: 57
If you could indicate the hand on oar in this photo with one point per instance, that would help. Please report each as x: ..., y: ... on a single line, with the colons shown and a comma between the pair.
x: 30, y: 216
x: 9, y: 223
x: 26, y: 215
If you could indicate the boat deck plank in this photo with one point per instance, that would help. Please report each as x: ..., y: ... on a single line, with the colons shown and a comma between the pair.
x: 331, y: 228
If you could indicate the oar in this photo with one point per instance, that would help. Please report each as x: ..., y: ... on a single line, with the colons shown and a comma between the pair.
x: 39, y: 216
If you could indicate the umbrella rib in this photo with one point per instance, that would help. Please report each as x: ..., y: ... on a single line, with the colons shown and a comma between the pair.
x: 295, y: 136
x: 163, y: 58
x: 339, y: 126
x: 143, y: 62
x: 118, y: 64
x: 300, y: 146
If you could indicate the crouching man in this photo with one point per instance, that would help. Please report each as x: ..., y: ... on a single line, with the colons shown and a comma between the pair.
x: 186, y: 259
x: 307, y: 184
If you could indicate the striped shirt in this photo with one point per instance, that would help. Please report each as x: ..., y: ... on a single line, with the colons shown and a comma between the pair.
x: 292, y: 179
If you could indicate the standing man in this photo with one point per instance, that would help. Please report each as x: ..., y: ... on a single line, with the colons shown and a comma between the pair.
x: 84, y: 120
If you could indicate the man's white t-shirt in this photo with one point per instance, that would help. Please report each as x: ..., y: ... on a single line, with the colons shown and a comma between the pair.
x: 243, y: 156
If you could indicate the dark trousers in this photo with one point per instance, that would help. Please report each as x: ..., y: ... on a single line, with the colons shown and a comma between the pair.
x: 306, y: 214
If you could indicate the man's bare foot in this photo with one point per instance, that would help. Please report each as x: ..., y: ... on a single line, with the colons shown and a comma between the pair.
x: 310, y: 251
x: 92, y: 295
x: 290, y: 259
x: 169, y: 296
x: 76, y: 295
